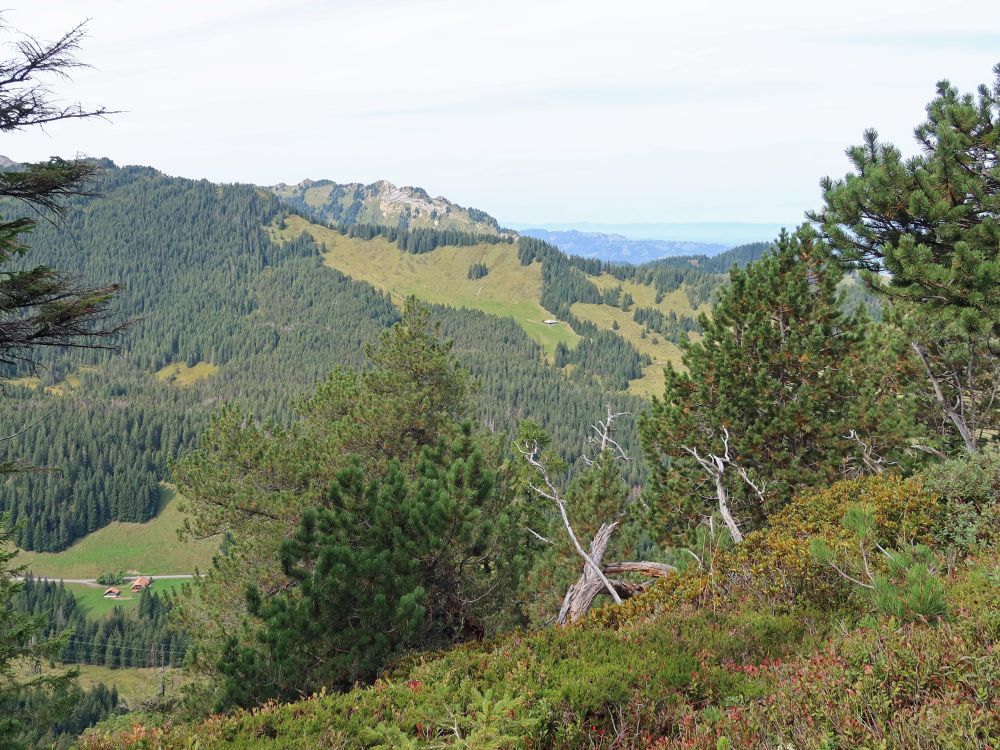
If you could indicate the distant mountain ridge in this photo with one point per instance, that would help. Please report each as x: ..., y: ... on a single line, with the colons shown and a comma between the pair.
x: 727, y: 233
x: 616, y: 248
x: 382, y: 203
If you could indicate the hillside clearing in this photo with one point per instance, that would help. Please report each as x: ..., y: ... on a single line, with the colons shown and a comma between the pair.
x: 662, y: 351
x: 179, y: 374
x: 134, y: 684
x: 644, y: 295
x: 508, y: 290
x: 151, y: 548
x: 91, y: 597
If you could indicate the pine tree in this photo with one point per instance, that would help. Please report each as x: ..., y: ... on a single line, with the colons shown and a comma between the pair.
x: 384, y: 565
x: 414, y: 476
x: 925, y: 231
x: 775, y: 383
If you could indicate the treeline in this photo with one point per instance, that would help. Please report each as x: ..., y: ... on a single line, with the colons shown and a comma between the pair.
x: 84, y: 708
x: 92, y: 461
x: 139, y: 637
x: 421, y: 239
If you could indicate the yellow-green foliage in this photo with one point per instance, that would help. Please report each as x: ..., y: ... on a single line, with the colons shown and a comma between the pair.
x: 151, y: 548
x: 774, y: 567
x: 71, y: 382
x: 181, y: 375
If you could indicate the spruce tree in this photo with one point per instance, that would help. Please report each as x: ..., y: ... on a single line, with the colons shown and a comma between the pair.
x: 24, y: 642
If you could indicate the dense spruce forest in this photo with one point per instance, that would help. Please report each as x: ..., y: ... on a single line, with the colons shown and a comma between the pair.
x: 141, y: 637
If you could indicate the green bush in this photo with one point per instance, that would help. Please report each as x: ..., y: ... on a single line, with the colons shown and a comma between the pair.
x: 900, y: 583
x: 969, y: 489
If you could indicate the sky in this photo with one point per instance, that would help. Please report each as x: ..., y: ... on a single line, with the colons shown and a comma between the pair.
x: 538, y: 112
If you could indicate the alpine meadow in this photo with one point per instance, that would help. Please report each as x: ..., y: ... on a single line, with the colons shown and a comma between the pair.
x: 339, y: 464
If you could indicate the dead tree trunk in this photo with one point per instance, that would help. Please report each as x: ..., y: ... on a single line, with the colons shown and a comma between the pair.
x: 715, y: 467
x: 580, y: 596
x: 594, y: 579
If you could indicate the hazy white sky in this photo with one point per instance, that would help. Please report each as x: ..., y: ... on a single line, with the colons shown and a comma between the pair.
x: 534, y: 111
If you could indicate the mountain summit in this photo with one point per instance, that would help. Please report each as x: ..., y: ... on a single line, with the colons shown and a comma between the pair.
x: 383, y: 203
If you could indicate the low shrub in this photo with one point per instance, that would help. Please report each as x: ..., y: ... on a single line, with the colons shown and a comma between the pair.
x: 969, y: 492
x: 773, y: 567
x: 112, y: 579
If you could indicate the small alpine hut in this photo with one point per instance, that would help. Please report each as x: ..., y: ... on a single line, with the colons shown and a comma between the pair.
x: 112, y: 593
x: 140, y: 584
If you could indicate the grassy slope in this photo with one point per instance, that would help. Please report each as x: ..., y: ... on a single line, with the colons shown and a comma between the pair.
x: 152, y: 548
x: 661, y: 352
x: 133, y: 684
x: 180, y: 374
x: 509, y: 290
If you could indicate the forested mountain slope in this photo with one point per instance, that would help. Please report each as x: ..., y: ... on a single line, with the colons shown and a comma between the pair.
x: 233, y: 299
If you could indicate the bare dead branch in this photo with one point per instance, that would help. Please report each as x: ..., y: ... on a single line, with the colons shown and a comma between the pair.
x: 929, y: 449
x: 532, y: 456
x: 538, y: 536
x: 603, y: 441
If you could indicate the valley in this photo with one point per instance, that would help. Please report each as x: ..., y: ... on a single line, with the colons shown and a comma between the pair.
x: 340, y: 462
